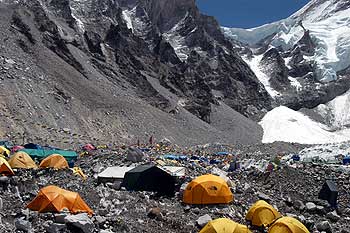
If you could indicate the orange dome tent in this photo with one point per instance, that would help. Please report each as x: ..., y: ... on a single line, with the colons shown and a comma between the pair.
x: 22, y: 160
x: 5, y: 167
x: 262, y: 214
x: 55, y: 199
x: 207, y: 189
x: 54, y: 161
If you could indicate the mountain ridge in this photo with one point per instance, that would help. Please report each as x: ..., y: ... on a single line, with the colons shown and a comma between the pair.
x: 106, y: 81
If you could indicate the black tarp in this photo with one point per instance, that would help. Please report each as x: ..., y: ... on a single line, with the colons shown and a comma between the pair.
x: 329, y: 192
x: 149, y: 178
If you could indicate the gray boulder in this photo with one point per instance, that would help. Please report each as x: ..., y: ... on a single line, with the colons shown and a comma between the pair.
x: 52, y: 227
x: 23, y: 225
x: 333, y: 216
x: 81, y: 221
x: 310, y: 206
x: 299, y: 205
x: 134, y: 155
x: 324, y: 226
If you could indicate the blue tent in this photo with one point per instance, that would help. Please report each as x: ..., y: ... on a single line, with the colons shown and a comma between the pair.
x: 215, y: 161
x: 296, y: 157
x: 175, y: 157
x: 145, y: 149
x: 201, y: 159
x: 6, y: 144
x: 222, y: 153
x: 346, y: 160
x: 32, y: 146
x: 234, y: 165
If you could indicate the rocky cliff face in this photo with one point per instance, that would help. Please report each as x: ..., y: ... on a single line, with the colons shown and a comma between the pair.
x: 167, y: 57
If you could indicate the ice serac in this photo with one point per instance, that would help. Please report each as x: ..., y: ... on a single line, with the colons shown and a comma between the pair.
x: 315, y: 44
x: 128, y: 68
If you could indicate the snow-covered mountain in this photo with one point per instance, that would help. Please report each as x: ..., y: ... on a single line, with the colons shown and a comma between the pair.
x: 328, y: 23
x: 304, y: 63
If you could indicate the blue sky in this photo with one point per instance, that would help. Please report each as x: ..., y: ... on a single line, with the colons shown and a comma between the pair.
x: 249, y: 13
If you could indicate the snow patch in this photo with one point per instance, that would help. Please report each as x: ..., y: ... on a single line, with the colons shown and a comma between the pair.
x: 295, y: 83
x: 284, y: 124
x: 178, y: 42
x: 254, y: 64
x: 79, y: 23
x: 127, y: 16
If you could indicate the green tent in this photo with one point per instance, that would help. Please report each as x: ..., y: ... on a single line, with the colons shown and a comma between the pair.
x: 42, y: 154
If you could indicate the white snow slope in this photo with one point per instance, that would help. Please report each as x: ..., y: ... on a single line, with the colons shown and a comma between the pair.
x: 284, y: 124
x: 254, y: 64
x: 337, y: 111
x: 329, y: 25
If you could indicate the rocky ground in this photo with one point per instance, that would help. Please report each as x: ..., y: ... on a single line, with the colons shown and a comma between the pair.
x: 293, y: 191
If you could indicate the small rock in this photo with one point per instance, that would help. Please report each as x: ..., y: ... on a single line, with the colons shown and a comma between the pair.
x: 299, y: 205
x: 203, y: 220
x: 263, y: 196
x: 301, y: 218
x: 289, y: 201
x: 103, y: 211
x: 10, y: 61
x: 52, y: 227
x: 23, y: 225
x: 324, y: 226
x: 320, y: 210
x: 155, y: 213
x: 100, y: 219
x: 333, y: 216
x: 310, y: 206
x: 59, y: 218
x: 4, y: 179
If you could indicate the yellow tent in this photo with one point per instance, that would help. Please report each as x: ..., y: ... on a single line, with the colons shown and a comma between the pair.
x: 4, y: 151
x: 22, y: 160
x: 262, y: 214
x: 55, y: 199
x: 5, y: 167
x: 54, y: 161
x: 207, y: 189
x: 224, y: 225
x: 288, y: 225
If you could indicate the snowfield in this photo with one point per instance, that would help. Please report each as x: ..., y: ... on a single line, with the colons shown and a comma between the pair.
x: 284, y: 124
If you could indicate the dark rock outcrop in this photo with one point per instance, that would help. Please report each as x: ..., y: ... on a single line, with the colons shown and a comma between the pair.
x: 275, y: 67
